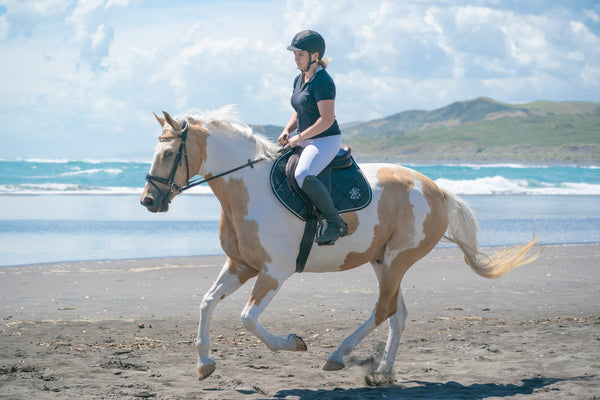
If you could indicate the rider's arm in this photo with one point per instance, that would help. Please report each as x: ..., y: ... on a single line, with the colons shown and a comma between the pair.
x: 289, y: 128
x: 327, y: 112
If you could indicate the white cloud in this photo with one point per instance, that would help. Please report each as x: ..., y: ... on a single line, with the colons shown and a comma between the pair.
x: 590, y: 75
x: 121, y: 3
x: 591, y: 14
x: 582, y: 33
x: 26, y: 17
x: 3, y: 27
x: 37, y: 8
x: 307, y: 14
x: 93, y: 33
x: 119, y: 60
x: 47, y: 7
x: 216, y: 51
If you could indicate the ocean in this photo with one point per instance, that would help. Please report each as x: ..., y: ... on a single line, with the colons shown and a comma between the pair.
x: 61, y: 210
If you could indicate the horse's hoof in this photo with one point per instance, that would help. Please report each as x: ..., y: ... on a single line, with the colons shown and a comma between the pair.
x: 206, y: 370
x: 333, y: 366
x: 300, y: 345
x: 375, y: 379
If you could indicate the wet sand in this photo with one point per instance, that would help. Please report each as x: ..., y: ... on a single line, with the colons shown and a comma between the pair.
x: 126, y: 329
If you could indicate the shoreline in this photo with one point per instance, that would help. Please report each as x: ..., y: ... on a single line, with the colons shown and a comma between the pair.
x: 91, y: 287
x: 480, y: 162
x: 219, y: 259
x: 126, y: 329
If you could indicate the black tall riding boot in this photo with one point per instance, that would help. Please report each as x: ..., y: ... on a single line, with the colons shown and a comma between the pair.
x: 318, y: 193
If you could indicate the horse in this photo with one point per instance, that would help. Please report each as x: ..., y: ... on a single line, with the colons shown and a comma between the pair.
x: 408, y: 215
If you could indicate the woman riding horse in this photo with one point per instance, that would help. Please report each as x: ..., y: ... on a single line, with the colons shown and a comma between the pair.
x: 408, y: 215
x: 319, y: 135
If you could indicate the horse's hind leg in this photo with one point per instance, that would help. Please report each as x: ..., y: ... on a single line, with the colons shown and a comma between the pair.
x: 389, y: 304
x: 335, y: 361
x: 230, y: 279
x: 396, y: 324
x: 265, y: 289
x: 389, y: 288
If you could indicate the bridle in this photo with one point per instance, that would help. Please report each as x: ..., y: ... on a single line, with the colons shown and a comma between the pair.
x: 181, y: 155
x: 174, y: 188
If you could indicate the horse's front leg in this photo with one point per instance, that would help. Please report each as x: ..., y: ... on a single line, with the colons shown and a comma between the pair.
x: 265, y: 289
x: 230, y: 279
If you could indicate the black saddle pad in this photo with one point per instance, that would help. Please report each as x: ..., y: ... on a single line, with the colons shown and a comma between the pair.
x: 350, y: 190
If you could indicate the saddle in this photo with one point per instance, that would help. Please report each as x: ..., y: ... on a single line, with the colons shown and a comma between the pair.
x: 349, y: 190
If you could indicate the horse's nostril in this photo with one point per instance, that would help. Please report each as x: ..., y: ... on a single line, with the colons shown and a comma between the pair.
x: 148, y: 201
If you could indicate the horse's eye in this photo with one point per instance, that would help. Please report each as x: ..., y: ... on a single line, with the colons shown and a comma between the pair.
x: 168, y: 153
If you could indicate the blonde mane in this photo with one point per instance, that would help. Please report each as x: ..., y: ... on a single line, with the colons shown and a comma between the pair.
x: 226, y: 121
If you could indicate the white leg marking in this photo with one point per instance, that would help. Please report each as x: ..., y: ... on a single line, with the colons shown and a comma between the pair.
x: 396, y: 324
x: 250, y: 316
x: 336, y: 360
x: 225, y: 285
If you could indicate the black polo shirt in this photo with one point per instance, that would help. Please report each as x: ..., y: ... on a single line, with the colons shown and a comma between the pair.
x: 305, y: 99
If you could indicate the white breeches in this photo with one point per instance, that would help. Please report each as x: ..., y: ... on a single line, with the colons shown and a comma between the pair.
x: 317, y: 154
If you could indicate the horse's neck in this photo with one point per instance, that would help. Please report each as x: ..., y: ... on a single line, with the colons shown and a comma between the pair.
x: 236, y: 191
x: 233, y: 190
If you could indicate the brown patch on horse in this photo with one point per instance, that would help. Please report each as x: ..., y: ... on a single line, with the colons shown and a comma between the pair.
x: 238, y: 235
x: 243, y: 273
x: 264, y: 284
x: 351, y: 219
x: 434, y: 226
x: 394, y: 195
x: 395, y: 231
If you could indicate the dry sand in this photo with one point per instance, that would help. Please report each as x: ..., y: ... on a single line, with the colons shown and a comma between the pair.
x: 125, y: 329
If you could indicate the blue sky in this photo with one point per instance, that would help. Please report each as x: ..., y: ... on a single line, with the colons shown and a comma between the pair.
x: 80, y: 79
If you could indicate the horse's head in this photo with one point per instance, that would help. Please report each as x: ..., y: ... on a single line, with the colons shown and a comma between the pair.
x: 171, y: 165
x: 182, y: 152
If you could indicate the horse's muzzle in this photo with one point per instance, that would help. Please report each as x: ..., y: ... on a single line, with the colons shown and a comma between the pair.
x: 152, y: 204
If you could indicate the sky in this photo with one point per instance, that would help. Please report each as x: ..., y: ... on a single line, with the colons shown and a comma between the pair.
x: 81, y: 79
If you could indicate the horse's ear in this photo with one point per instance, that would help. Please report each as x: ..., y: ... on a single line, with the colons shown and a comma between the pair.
x: 170, y: 120
x: 160, y: 120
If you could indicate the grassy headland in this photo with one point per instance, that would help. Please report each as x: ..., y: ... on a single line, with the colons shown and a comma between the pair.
x: 482, y: 130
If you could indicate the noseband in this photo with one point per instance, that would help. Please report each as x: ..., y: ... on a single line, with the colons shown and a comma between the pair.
x: 174, y: 188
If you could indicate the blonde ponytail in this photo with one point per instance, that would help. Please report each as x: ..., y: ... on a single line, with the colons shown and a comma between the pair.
x: 323, y: 62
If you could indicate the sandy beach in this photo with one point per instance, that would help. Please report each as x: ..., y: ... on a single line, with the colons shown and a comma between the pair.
x: 126, y: 329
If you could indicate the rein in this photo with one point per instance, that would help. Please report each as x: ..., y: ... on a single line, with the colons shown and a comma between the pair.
x: 250, y: 164
x: 182, y: 154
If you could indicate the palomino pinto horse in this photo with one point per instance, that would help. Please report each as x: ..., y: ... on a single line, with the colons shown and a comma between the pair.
x: 407, y: 217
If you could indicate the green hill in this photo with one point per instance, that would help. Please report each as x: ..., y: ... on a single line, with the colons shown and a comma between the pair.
x: 483, y: 130
x: 480, y: 130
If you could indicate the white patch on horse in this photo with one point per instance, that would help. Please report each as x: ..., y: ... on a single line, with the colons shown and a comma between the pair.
x: 155, y: 157
x: 420, y: 211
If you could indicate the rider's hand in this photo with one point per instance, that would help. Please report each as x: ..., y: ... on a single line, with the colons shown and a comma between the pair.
x: 293, y: 142
x: 283, y: 138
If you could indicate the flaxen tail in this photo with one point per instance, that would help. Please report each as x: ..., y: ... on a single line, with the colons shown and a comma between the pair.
x: 462, y: 230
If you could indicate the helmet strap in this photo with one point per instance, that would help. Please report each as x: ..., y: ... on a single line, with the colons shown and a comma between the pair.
x: 310, y: 61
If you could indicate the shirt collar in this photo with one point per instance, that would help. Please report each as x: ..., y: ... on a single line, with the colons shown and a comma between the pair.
x: 319, y: 68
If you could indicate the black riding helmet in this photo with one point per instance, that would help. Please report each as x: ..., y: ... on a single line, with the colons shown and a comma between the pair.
x: 310, y: 41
